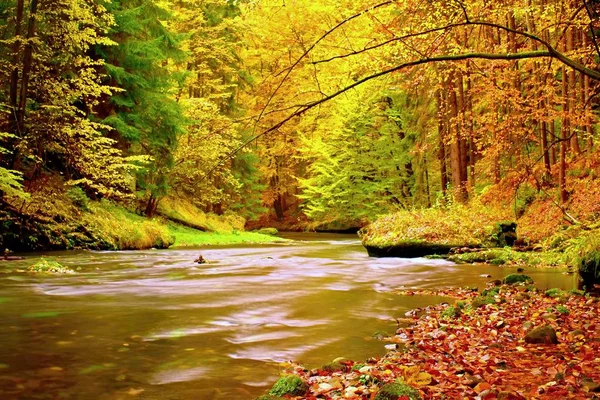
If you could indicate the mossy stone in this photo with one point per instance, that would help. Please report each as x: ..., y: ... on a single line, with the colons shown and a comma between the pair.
x: 267, y: 231
x: 542, y: 335
x: 517, y: 278
x: 333, y: 367
x: 554, y: 292
x: 478, y: 302
x: 391, y: 391
x: 289, y: 385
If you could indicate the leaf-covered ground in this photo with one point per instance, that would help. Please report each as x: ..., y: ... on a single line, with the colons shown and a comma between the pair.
x: 476, y: 348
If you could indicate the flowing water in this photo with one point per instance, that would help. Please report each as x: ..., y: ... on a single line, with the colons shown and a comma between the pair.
x: 155, y: 325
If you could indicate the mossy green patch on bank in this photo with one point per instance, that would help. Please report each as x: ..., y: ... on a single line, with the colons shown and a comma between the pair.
x: 124, y: 230
x: 184, y: 212
x: 508, y: 256
x: 185, y: 236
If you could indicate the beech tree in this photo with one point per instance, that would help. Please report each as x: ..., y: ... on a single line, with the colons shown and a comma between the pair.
x: 514, y: 82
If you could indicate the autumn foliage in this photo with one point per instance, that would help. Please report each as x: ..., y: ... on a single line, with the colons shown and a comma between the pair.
x: 477, y: 348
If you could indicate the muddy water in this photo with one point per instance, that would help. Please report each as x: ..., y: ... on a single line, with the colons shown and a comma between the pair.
x: 154, y: 325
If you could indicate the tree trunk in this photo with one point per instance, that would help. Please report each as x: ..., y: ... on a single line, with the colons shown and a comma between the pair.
x: 462, y: 130
x: 14, y: 75
x: 455, y: 145
x: 442, y: 133
x: 572, y: 92
x: 27, y: 60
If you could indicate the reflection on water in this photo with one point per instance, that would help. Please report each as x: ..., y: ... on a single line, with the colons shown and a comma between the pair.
x: 155, y: 325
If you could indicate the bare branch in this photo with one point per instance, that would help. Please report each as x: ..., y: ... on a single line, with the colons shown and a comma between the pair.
x: 291, y: 68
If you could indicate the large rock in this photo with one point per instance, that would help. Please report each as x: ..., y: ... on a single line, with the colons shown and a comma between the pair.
x: 517, y: 278
x: 589, y: 269
x: 542, y: 335
x: 409, y: 249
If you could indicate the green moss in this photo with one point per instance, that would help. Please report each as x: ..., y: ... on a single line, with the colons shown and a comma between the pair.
x: 333, y: 367
x: 123, y: 229
x: 49, y: 267
x: 508, y: 256
x: 554, y: 292
x: 513, y: 279
x: 491, y: 291
x: 452, y: 312
x: 289, y: 385
x: 542, y: 335
x: 267, y: 231
x: 562, y: 309
x: 482, y: 300
x: 357, y: 367
x: 392, y: 391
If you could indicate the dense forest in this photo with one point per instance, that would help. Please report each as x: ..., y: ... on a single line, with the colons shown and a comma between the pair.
x: 299, y: 114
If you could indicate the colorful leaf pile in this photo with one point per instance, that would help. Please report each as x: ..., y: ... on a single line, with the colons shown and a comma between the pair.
x: 481, y: 352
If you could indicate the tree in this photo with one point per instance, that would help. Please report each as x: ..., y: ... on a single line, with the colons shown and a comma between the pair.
x: 144, y: 115
x: 53, y: 82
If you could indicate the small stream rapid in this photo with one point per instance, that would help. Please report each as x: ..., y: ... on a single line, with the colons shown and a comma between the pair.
x: 155, y: 325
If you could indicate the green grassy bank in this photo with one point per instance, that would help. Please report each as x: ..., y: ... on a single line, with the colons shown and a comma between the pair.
x: 57, y: 218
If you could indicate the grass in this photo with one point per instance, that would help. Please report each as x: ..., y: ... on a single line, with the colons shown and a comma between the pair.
x: 184, y: 212
x: 124, y: 229
x: 185, y: 236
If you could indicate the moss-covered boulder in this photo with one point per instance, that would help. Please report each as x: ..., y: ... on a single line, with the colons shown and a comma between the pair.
x: 339, y: 364
x: 542, y: 335
x: 289, y: 385
x: 49, y: 267
x: 267, y: 231
x: 418, y: 233
x: 513, y: 279
x: 392, y: 391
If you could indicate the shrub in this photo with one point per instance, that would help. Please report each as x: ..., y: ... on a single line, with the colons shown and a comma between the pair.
x: 78, y: 197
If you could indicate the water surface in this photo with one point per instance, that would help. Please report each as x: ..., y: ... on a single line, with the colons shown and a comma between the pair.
x: 155, y: 325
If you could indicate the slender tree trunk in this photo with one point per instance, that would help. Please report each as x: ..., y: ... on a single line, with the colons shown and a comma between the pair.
x: 442, y: 133
x: 27, y: 61
x: 461, y: 131
x: 14, y: 75
x: 455, y: 146
x: 572, y: 93
x: 471, y: 138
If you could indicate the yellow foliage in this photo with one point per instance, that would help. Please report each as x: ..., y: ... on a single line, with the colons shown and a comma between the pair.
x: 414, y: 376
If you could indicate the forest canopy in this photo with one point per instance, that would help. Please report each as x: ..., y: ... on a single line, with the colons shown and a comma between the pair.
x: 331, y: 111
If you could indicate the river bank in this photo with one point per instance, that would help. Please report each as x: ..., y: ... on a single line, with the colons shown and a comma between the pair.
x: 508, y: 342
x: 64, y: 221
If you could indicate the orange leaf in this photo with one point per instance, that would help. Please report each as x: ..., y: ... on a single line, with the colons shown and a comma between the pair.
x: 481, y: 387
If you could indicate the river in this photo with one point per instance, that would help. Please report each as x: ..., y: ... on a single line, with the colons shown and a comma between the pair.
x: 155, y: 325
